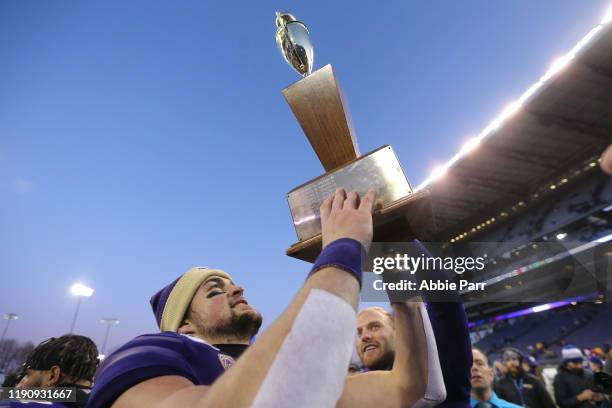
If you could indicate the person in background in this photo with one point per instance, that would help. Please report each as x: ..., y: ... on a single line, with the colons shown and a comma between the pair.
x: 482, y: 395
x: 66, y: 361
x: 531, y: 366
x: 520, y: 387
x: 573, y: 384
x: 499, y: 369
x: 607, y: 349
x: 377, y: 336
x: 596, y: 364
x: 11, y: 380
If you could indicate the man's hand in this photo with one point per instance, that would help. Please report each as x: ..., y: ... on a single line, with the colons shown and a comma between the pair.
x: 606, y: 160
x: 585, y: 395
x: 345, y: 216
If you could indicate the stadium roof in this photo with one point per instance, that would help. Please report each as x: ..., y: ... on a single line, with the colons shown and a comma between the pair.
x: 555, y: 131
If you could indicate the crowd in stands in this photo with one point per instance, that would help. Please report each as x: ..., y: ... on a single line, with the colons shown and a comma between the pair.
x: 548, y: 359
x: 543, y: 335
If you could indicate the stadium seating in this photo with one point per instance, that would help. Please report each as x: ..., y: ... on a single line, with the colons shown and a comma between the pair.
x: 585, y: 325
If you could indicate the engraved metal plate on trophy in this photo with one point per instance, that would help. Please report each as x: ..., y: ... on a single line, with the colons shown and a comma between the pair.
x: 379, y: 170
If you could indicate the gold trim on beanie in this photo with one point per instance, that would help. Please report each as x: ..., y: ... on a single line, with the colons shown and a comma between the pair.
x: 182, y: 294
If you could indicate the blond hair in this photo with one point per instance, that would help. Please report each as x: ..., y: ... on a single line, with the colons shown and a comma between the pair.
x: 380, y: 310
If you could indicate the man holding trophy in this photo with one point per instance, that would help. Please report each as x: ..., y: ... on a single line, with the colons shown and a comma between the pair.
x: 301, y: 360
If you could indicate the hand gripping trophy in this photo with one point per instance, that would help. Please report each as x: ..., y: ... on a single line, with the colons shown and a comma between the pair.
x: 319, y: 106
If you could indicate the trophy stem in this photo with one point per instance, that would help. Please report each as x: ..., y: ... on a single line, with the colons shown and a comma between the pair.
x: 319, y: 106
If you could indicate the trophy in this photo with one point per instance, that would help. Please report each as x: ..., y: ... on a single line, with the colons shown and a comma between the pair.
x: 321, y: 110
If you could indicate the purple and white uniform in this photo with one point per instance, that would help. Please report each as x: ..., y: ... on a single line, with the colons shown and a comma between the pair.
x: 155, y: 355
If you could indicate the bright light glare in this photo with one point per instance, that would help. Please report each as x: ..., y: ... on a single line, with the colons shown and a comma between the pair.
x: 305, y: 219
x: 438, y: 172
x: 469, y: 146
x: 540, y: 308
x: 109, y: 321
x: 608, y: 17
x: 585, y: 40
x: 101, y: 357
x: 561, y: 235
x: 510, y: 110
x: 530, y: 92
x: 604, y: 239
x: 558, y: 66
x: 79, y: 289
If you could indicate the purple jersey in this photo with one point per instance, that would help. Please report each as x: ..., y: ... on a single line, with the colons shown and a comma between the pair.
x: 31, y: 404
x: 156, y: 355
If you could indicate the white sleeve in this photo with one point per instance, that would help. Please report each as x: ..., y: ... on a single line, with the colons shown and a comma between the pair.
x: 309, y: 369
x: 435, y: 392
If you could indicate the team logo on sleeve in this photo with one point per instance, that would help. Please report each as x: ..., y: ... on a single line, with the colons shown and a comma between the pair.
x: 225, y: 360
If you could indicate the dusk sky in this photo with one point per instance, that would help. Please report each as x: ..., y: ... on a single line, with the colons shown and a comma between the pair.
x: 140, y: 138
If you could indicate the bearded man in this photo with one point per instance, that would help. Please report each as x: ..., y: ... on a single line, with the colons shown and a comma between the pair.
x: 206, y: 322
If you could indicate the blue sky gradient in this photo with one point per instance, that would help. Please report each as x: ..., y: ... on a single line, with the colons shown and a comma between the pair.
x: 140, y: 138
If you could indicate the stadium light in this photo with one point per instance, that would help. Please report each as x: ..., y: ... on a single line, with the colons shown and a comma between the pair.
x: 530, y: 91
x: 561, y: 235
x: 607, y: 17
x: 108, y: 322
x: 558, y: 65
x: 606, y: 238
x: 469, y: 146
x: 8, y: 317
x: 510, y: 111
x: 438, y: 172
x: 541, y: 308
x: 80, y: 291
